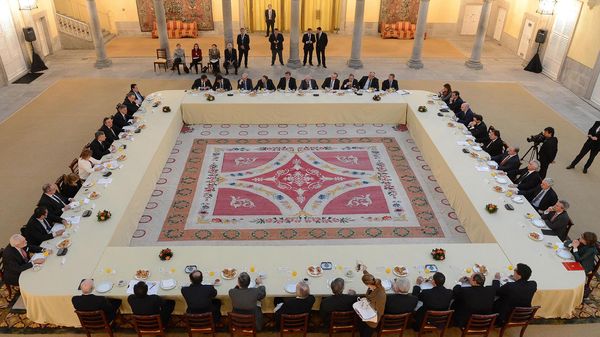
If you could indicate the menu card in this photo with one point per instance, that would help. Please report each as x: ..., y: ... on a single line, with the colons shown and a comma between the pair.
x: 572, y: 266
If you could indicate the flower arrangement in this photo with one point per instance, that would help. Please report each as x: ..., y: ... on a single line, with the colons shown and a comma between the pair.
x: 103, y: 215
x: 438, y: 254
x: 165, y: 254
x: 209, y: 97
x: 376, y: 98
x: 491, y: 208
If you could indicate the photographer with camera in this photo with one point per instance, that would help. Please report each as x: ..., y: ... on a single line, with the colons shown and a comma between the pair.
x: 548, y: 150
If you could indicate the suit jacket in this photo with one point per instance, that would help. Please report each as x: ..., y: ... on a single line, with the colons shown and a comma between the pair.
x: 273, y: 15
x: 526, y: 181
x: 138, y: 95
x: 291, y: 84
x: 226, y: 85
x: 296, y: 306
x: 549, y: 199
x: 199, y: 298
x: 147, y: 305
x: 309, y: 42
x: 480, y: 133
x: 54, y: 207
x: 132, y: 107
x: 98, y: 149
x: 335, y: 303
x: 455, y: 106
x: 374, y: 83
x: 511, y: 166
x: 465, y: 117
x: 35, y: 232
x: 327, y: 84
x: 313, y: 85
x: 230, y: 56
x: 386, y: 85
x: 261, y: 85
x: 198, y: 84
x: 494, y: 148
x: 322, y: 40
x: 119, y: 121
x: 511, y: 295
x: 276, y: 41
x: 347, y: 85
x: 548, y: 150
x: 244, y: 85
x: 436, y: 298
x: 592, y: 132
x: 584, y: 255
x: 243, y: 301
x: 92, y: 302
x: 559, y: 225
x: 400, y: 303
x: 15, y: 264
x: 111, y: 135
x: 473, y: 300
x: 245, y: 42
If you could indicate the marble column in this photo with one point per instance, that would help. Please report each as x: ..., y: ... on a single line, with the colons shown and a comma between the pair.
x: 102, y: 61
x: 359, y: 18
x: 475, y: 61
x: 227, y: 22
x: 161, y: 24
x: 294, y: 60
x: 415, y: 61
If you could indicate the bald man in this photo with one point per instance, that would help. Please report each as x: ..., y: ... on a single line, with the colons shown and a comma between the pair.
x: 17, y: 258
x: 87, y: 301
x: 465, y: 115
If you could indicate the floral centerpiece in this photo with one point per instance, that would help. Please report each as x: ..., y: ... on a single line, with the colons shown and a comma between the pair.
x: 165, y: 254
x: 438, y: 254
x: 103, y: 215
x: 491, y: 208
x: 209, y: 97
x: 376, y: 98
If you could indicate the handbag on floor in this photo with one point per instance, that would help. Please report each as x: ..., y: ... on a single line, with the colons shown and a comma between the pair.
x: 186, y: 69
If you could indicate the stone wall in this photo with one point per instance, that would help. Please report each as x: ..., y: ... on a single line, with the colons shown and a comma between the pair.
x: 576, y: 77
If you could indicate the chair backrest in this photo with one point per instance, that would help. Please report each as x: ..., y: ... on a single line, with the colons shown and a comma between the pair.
x: 74, y: 166
x: 342, y: 321
x: 148, y: 324
x: 480, y: 325
x: 436, y: 320
x: 569, y: 225
x: 394, y: 324
x: 594, y: 271
x: 93, y: 320
x: 294, y: 323
x: 200, y: 323
x: 161, y: 54
x: 242, y: 324
x: 521, y: 316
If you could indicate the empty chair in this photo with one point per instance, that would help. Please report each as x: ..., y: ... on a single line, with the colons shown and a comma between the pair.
x: 342, y: 321
x: 293, y: 324
x: 241, y: 324
x: 150, y: 325
x: 94, y: 321
x: 200, y: 323
x: 519, y: 317
x: 161, y: 59
x: 436, y: 320
x: 394, y: 324
x: 479, y: 325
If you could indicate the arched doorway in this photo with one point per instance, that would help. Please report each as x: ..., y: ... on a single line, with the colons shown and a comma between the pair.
x: 313, y: 13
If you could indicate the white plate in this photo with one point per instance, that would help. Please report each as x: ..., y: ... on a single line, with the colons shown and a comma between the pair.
x: 290, y: 288
x: 539, y: 223
x: 168, y: 284
x: 503, y: 189
x: 476, y: 147
x: 400, y: 275
x: 426, y: 285
x: 88, y: 184
x: 104, y: 287
x: 564, y: 254
x: 470, y: 137
x: 540, y: 238
x: 501, y: 180
x: 518, y: 199
x: 386, y: 284
x: 67, y: 246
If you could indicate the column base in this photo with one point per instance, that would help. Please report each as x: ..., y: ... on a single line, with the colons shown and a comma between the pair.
x: 477, y: 65
x: 414, y: 64
x: 294, y: 64
x: 355, y: 63
x: 105, y: 63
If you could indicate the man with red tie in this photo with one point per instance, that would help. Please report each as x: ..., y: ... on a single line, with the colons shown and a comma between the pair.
x: 16, y: 258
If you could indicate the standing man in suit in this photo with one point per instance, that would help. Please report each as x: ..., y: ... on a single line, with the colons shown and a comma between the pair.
x: 476, y: 299
x: 331, y: 82
x: 542, y: 196
x: 321, y: 45
x: 87, y: 301
x: 38, y: 229
x: 495, y: 145
x: 16, y: 258
x: 243, y: 43
x: 308, y: 41
x: 350, y: 83
x: 143, y: 304
x: 138, y: 95
x: 244, y: 83
x: 200, y: 298
x: 591, y: 145
x: 270, y: 16
x: 97, y: 145
x: 557, y: 219
x: 337, y: 302
x: 548, y: 151
x: 401, y: 301
x: 529, y: 177
x: 515, y: 294
x: 55, y: 203
x: 109, y: 132
x: 287, y: 82
x: 437, y: 298
x: 231, y: 59
x: 509, y: 161
x: 202, y: 83
x: 120, y: 119
x: 222, y: 83
x: 246, y: 300
x: 276, y: 40
x: 308, y: 84
x: 455, y: 102
x: 390, y: 83
x: 369, y: 82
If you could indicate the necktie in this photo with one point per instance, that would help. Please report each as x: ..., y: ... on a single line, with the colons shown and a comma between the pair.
x: 55, y: 197
x: 332, y: 82
x: 287, y: 84
x: 23, y: 254
x: 524, y: 176
x: 554, y: 217
x: 47, y: 225
x: 538, y: 198
x: 505, y: 160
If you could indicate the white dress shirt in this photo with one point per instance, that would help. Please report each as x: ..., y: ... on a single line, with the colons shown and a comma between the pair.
x: 86, y: 166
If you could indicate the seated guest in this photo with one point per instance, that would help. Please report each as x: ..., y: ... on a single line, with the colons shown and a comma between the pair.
x: 455, y: 102
x: 369, y: 82
x: 308, y: 84
x: 143, y: 304
x: 87, y: 301
x: 264, y: 83
x: 465, y: 115
x: 509, y: 161
x: 478, y: 129
x: 87, y: 164
x: 214, y: 57
x: 476, y: 299
x: 350, y: 83
x: 245, y: 300
x: 584, y: 250
x: 109, y: 132
x: 514, y: 294
x: 69, y: 185
x: 97, y: 146
x: 196, y: 57
x: 138, y: 95
x: 495, y: 145
x: 38, y: 229
x: 16, y: 258
x: 231, y: 59
x: 376, y: 298
x: 528, y: 177
x: 542, y: 196
x: 245, y: 83
x: 132, y: 106
x: 331, y: 82
x: 338, y: 302
x: 557, y: 219
x: 222, y: 83
x: 202, y: 83
x: 446, y: 93
x: 287, y: 82
x: 121, y: 119
x: 401, y: 301
x: 301, y: 304
x: 200, y: 298
x: 437, y: 298
x: 390, y: 83
x: 54, y: 202
x: 178, y: 58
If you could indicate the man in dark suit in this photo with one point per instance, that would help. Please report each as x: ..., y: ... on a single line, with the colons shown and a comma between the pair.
x: 542, y: 196
x: 390, y: 83
x: 308, y: 84
x: 270, y: 16
x: 401, y: 301
x: 350, y: 83
x: 437, y: 298
x: 138, y: 95
x: 143, y: 304
x: 16, y: 258
x: 321, y: 45
x: 308, y: 41
x: 243, y: 43
x: 264, y: 83
x: 55, y: 203
x: 515, y: 294
x: 231, y: 59
x: 529, y: 177
x: 337, y: 302
x: 455, y: 102
x: 109, y: 132
x: 465, y: 115
x: 120, y: 119
x: 221, y: 83
x: 331, y: 82
x: 509, y: 161
x: 244, y: 83
x: 369, y: 82
x: 97, y: 145
x: 478, y: 129
x: 131, y: 104
x: 38, y: 229
x: 200, y: 298
x: 202, y: 83
x: 301, y: 304
x: 244, y: 299
x: 287, y: 82
x: 495, y: 145
x: 476, y: 299
x: 557, y: 219
x: 548, y: 151
x: 276, y: 40
x: 591, y: 145
x: 87, y: 301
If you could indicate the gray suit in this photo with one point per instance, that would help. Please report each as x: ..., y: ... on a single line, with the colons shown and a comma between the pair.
x: 244, y: 301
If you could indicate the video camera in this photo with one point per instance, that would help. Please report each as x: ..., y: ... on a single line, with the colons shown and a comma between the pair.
x: 536, y: 139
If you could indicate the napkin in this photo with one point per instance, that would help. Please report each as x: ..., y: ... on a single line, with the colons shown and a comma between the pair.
x: 152, y: 287
x: 461, y: 142
x: 74, y: 220
x: 104, y: 181
x: 482, y: 168
x: 37, y: 256
x: 57, y: 227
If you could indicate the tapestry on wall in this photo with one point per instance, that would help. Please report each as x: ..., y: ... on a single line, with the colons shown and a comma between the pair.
x: 199, y: 11
x: 398, y: 10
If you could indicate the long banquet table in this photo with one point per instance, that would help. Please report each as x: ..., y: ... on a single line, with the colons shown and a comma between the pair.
x: 100, y: 250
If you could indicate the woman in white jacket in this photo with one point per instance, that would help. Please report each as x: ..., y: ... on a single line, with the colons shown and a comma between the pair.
x: 86, y: 164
